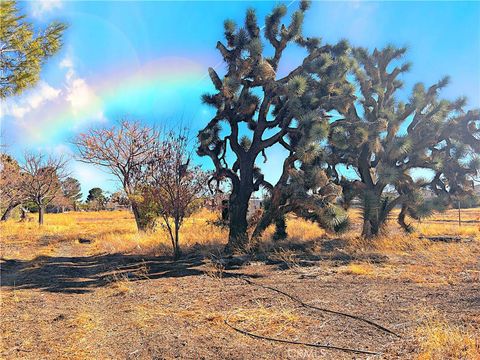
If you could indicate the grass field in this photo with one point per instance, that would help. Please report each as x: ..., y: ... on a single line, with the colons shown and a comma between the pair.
x: 117, y: 295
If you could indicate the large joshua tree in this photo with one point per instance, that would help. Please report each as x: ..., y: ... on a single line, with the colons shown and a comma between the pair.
x: 390, y: 144
x: 275, y: 110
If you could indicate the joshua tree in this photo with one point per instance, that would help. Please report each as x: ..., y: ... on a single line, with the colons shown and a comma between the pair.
x: 124, y: 150
x: 287, y: 105
x: 390, y: 143
x: 22, y: 52
x: 41, y: 180
x: 307, y: 192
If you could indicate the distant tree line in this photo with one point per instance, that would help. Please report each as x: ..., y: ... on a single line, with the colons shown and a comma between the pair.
x: 40, y: 183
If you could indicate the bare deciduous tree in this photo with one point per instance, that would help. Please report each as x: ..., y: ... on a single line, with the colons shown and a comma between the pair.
x: 41, y: 179
x: 11, y: 193
x: 174, y: 185
x: 124, y: 150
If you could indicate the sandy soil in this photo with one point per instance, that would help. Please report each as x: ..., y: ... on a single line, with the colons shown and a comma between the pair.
x: 75, y: 306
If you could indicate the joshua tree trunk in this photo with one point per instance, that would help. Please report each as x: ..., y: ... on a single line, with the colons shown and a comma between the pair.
x: 238, y: 210
x: 376, y: 211
x: 371, y: 227
x: 41, y: 212
x: 8, y: 212
x: 372, y: 212
x: 265, y: 221
x: 401, y: 220
x: 280, y: 228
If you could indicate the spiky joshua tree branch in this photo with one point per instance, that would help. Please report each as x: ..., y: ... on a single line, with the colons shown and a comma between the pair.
x: 290, y: 110
x: 390, y: 143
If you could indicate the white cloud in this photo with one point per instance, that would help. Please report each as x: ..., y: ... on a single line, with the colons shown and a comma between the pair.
x: 79, y: 94
x: 42, y: 113
x: 31, y: 100
x: 66, y: 62
x: 39, y: 8
x: 62, y: 149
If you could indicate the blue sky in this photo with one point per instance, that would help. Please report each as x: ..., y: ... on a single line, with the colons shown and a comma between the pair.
x: 148, y: 60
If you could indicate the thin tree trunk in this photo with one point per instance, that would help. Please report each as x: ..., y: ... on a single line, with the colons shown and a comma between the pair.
x: 41, y: 211
x: 177, y: 252
x: 8, y: 212
x: 166, y: 221
x: 23, y: 214
x: 136, y: 214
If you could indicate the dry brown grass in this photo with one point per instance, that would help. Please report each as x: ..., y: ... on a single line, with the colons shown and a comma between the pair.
x: 409, y: 259
x: 358, y: 269
x: 298, y: 229
x: 111, y: 232
x: 439, y: 339
x: 267, y: 321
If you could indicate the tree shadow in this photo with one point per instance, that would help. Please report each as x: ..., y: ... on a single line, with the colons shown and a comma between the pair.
x: 312, y: 252
x: 82, y: 274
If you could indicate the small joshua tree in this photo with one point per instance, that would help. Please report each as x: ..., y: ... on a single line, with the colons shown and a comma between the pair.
x: 386, y: 140
x: 307, y: 192
x: 288, y: 106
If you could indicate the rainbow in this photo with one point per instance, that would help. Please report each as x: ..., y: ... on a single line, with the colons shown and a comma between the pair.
x: 161, y: 84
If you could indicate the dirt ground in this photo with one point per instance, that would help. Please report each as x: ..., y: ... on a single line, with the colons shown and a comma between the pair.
x: 75, y: 305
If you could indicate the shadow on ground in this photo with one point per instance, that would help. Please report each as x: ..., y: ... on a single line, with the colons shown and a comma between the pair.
x: 81, y: 274
x: 84, y: 273
x: 311, y: 253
